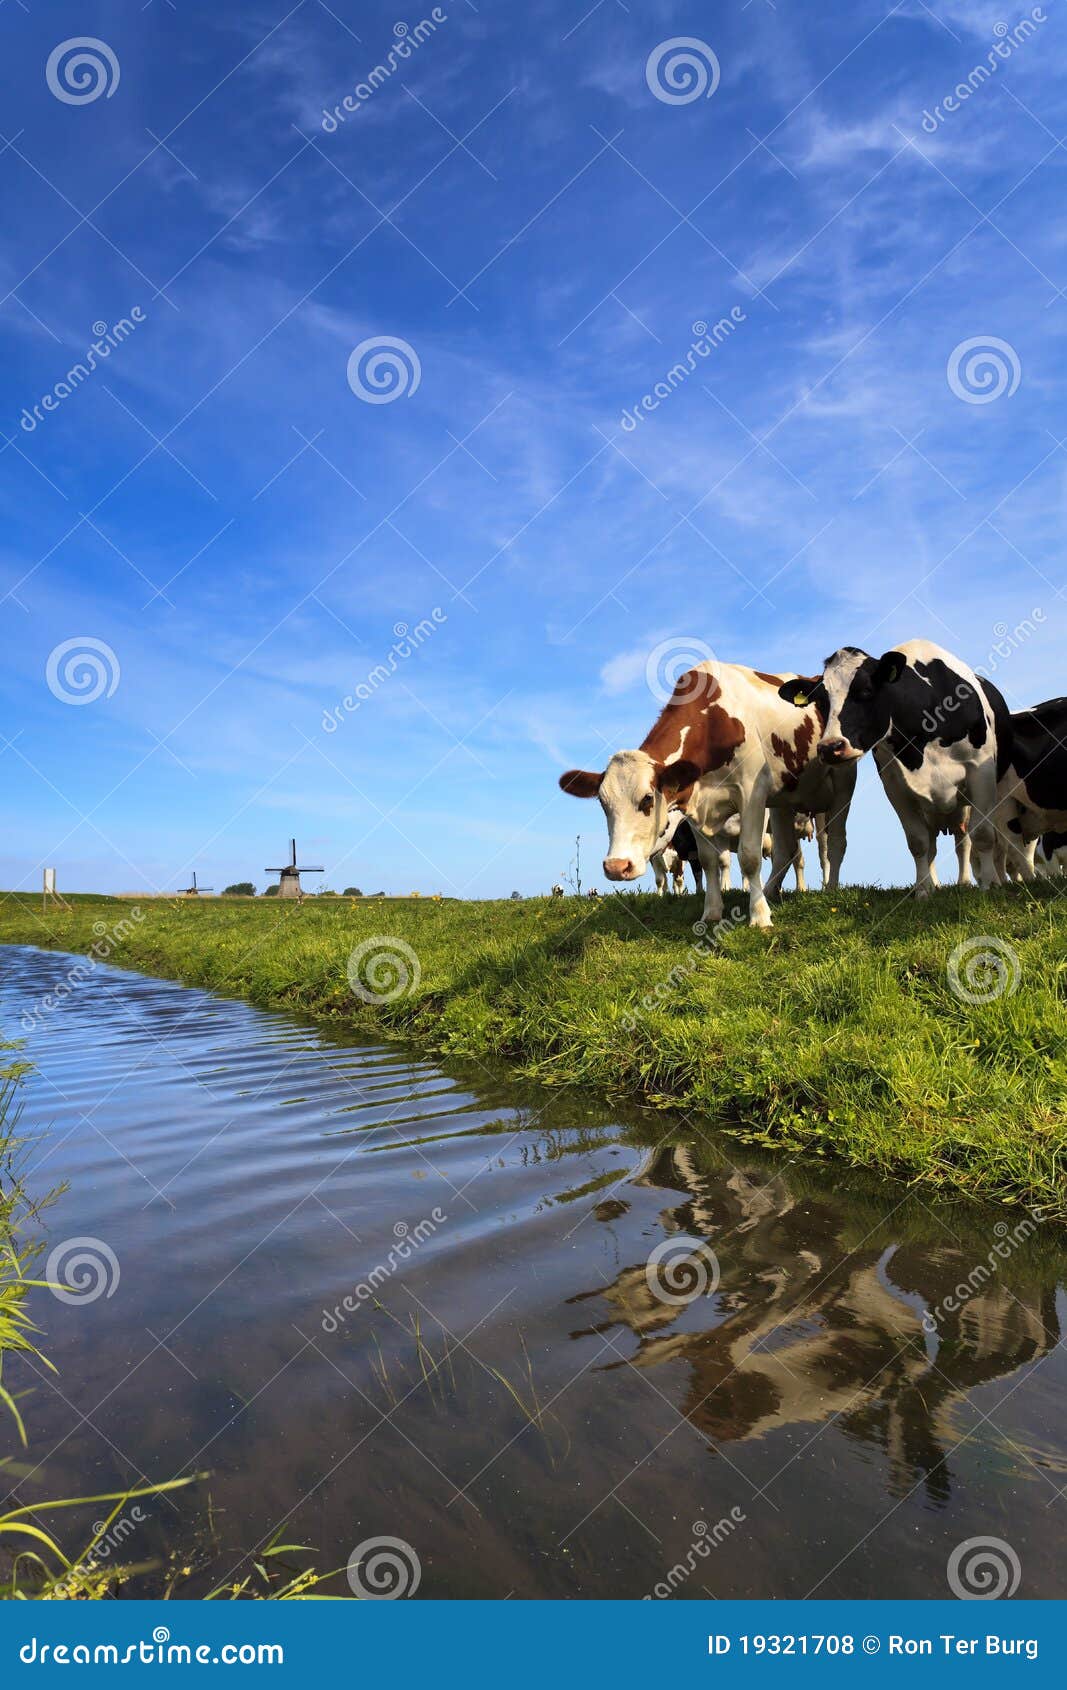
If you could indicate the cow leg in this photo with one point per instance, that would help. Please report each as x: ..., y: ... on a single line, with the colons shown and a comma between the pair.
x: 659, y: 871
x: 723, y: 860
x: 798, y: 870
x: 835, y: 826
x: 721, y: 868
x: 982, y: 796
x: 750, y: 855
x: 963, y: 858
x: 829, y: 875
x: 710, y: 859
x: 931, y: 866
x: 1023, y: 860
x: 917, y: 835
x: 913, y: 820
x: 698, y: 875
x: 783, y: 844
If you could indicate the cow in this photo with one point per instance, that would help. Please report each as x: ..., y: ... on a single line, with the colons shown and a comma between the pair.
x: 804, y: 828
x: 1032, y: 790
x: 940, y: 738
x: 726, y: 743
x: 675, y: 847
x: 1015, y: 862
x: 1051, y: 856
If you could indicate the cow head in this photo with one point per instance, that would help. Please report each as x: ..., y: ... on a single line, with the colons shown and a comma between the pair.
x: 853, y: 699
x: 674, y: 817
x: 634, y: 792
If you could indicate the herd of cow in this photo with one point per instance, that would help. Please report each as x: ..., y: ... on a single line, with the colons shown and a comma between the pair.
x: 735, y: 747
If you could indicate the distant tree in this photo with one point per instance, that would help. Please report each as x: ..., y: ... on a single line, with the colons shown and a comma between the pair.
x: 271, y: 891
x: 326, y: 893
x: 240, y: 889
x: 516, y: 897
x: 353, y: 892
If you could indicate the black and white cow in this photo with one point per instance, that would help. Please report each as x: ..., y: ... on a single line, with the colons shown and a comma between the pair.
x: 1032, y: 790
x: 805, y: 827
x: 675, y: 847
x: 1051, y: 855
x: 1015, y: 862
x: 940, y: 738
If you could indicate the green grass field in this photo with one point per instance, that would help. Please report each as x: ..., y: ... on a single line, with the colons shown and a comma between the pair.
x: 847, y: 1032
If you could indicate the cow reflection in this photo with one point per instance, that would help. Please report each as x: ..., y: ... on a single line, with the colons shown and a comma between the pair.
x: 811, y: 1322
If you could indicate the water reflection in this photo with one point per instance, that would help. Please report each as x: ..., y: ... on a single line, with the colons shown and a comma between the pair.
x: 810, y: 1323
x: 512, y: 1400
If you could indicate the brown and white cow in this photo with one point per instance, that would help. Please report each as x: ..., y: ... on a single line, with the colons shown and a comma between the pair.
x: 726, y: 743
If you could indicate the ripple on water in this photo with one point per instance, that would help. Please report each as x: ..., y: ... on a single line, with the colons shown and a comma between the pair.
x: 505, y: 1387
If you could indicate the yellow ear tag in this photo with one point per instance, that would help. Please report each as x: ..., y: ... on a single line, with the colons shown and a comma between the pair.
x: 800, y: 698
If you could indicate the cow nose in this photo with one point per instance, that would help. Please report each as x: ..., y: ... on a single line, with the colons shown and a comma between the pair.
x: 832, y: 750
x: 618, y: 868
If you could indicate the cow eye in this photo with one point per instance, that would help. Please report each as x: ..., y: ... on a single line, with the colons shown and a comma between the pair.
x: 645, y: 805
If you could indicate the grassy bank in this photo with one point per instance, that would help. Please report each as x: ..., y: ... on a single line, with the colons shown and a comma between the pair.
x: 847, y: 1032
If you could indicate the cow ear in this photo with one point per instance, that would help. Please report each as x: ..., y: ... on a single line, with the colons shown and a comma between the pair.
x: 799, y: 690
x: 891, y: 665
x: 676, y: 776
x: 581, y: 783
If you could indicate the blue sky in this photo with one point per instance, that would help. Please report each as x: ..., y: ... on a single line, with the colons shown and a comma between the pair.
x: 217, y: 506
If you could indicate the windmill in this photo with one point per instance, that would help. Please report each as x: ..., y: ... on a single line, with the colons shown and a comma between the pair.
x: 290, y: 881
x: 194, y: 890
